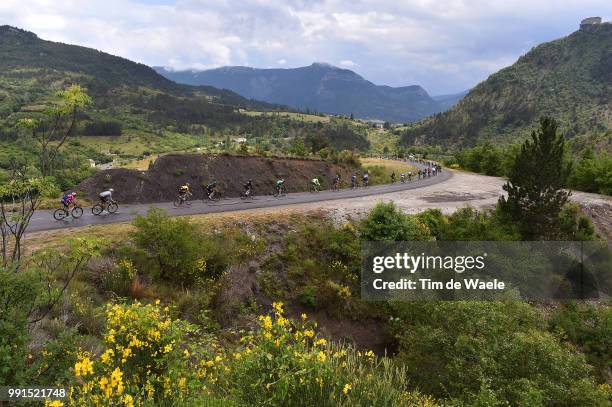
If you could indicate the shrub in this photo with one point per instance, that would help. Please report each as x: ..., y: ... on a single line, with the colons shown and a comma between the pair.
x: 174, y: 244
x: 120, y: 278
x: 469, y: 224
x: 574, y: 225
x: 386, y: 222
x: 142, y: 361
x: 466, y: 350
x: 593, y: 173
x: 18, y: 294
x: 590, y: 328
x: 286, y: 363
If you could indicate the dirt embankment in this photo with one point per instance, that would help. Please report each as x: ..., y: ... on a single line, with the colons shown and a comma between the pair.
x: 161, y: 181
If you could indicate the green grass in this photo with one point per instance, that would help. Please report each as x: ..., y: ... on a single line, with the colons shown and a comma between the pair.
x: 311, y: 118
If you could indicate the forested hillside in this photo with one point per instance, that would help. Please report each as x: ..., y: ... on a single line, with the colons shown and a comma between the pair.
x: 569, y: 79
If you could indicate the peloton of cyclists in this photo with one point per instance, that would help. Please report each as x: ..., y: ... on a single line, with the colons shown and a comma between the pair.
x: 430, y: 169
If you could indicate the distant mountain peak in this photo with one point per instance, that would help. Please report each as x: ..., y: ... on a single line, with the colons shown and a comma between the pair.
x: 320, y: 87
x: 323, y: 65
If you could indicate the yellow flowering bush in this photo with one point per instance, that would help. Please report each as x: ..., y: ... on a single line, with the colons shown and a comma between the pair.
x: 142, y: 363
x: 151, y: 359
x: 286, y: 363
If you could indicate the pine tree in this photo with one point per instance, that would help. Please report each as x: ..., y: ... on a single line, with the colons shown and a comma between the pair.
x: 534, y: 188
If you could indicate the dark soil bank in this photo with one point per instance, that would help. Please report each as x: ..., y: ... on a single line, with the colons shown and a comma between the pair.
x: 160, y: 182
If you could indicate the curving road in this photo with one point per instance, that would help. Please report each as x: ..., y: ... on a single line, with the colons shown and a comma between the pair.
x: 43, y: 219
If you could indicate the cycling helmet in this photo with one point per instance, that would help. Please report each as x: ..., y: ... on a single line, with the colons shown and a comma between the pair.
x: 111, y: 190
x: 73, y: 194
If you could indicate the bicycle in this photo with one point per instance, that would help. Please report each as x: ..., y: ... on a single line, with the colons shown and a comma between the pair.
x: 336, y: 185
x: 62, y: 213
x: 315, y: 188
x: 182, y: 199
x: 110, y: 207
x: 247, y: 194
x: 279, y: 191
x: 215, y: 195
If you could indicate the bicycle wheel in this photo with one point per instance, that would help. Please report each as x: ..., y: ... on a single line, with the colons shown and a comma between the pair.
x: 216, y: 196
x: 60, y: 214
x: 112, y: 207
x: 77, y: 212
x: 96, y: 209
x: 178, y: 201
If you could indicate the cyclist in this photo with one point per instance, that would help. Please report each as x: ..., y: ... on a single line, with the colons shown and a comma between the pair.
x: 248, y: 187
x: 106, y: 196
x: 280, y: 184
x: 402, y: 178
x: 210, y: 188
x: 393, y: 177
x: 337, y: 180
x: 68, y: 199
x: 184, y: 191
x: 366, y: 179
x: 315, y: 184
x: 353, y: 180
x: 409, y: 176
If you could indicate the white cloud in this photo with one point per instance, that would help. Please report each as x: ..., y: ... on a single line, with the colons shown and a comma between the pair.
x: 444, y: 45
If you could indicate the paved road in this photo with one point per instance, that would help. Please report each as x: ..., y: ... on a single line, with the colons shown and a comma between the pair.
x: 43, y: 219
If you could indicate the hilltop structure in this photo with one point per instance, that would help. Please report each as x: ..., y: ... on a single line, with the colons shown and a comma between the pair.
x: 590, y: 22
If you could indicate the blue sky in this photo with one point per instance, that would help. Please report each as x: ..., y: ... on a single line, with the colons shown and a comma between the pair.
x: 445, y: 46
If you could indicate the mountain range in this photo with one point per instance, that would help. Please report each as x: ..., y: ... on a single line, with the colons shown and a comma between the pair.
x: 319, y: 87
x: 569, y: 79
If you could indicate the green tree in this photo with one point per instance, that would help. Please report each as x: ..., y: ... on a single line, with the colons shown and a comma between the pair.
x: 534, y: 188
x: 298, y: 147
x: 386, y: 222
x: 57, y: 125
x: 20, y: 196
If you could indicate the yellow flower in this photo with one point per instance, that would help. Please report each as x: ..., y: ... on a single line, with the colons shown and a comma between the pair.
x: 321, y: 342
x: 369, y: 354
x: 182, y: 383
x: 282, y: 321
x: 167, y: 348
x: 319, y: 381
x: 83, y: 368
x: 266, y: 322
x: 116, y: 380
x: 107, y: 355
x: 128, y: 401
x: 237, y: 356
x: 278, y: 308
x: 304, y: 317
x: 347, y: 388
x: 321, y: 356
x: 54, y: 403
x: 309, y: 333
